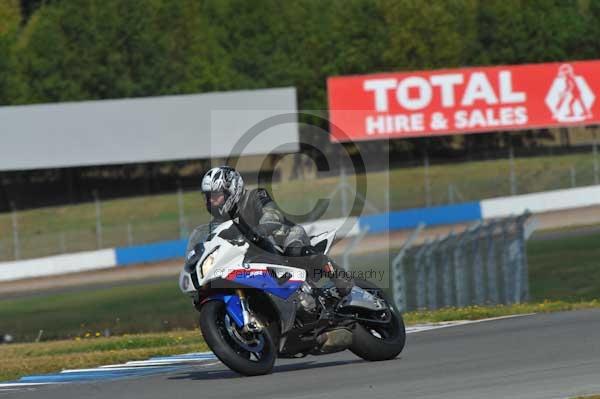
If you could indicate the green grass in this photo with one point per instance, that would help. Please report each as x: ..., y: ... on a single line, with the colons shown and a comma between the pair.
x: 45, y: 357
x: 133, y: 308
x: 566, y: 269
x: 45, y: 231
x: 484, y: 312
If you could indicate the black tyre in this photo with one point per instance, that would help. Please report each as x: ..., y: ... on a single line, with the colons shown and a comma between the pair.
x: 247, y: 354
x: 376, y: 341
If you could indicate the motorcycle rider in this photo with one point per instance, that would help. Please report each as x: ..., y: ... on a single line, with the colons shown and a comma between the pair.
x: 258, y: 218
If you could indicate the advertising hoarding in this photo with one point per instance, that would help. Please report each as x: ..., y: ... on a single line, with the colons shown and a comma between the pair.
x: 466, y: 100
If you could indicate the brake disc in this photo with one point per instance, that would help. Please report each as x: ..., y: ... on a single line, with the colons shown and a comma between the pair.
x: 254, y: 344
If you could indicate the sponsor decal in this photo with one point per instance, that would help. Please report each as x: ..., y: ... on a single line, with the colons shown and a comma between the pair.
x: 458, y: 101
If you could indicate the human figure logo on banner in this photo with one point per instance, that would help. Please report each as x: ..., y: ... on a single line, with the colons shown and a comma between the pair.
x: 570, y: 98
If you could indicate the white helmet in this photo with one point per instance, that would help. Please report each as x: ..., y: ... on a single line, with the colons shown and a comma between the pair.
x: 226, y: 180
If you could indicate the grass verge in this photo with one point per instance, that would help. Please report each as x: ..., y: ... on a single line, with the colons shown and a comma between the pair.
x: 484, y: 312
x: 565, y: 269
x: 45, y: 357
x: 92, y: 350
x: 132, y: 308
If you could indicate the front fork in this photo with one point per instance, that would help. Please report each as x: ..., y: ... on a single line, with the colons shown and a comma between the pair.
x: 237, y: 308
x: 251, y: 323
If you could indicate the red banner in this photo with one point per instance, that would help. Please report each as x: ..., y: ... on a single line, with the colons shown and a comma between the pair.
x: 468, y: 100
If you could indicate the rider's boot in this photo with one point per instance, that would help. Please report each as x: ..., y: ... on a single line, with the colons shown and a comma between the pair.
x: 342, y: 283
x: 319, y: 265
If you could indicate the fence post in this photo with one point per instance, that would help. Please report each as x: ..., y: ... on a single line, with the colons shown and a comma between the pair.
x: 521, y: 278
x: 183, y: 230
x: 447, y: 259
x: 459, y: 266
x: 98, y: 220
x: 420, y: 269
x: 129, y: 233
x: 458, y: 273
x: 513, y: 176
x: 427, y: 182
x: 62, y: 242
x: 528, y: 226
x: 432, y: 274
x: 398, y: 284
x: 478, y: 266
x: 518, y: 267
x: 491, y: 265
x: 506, y: 262
x: 15, y: 226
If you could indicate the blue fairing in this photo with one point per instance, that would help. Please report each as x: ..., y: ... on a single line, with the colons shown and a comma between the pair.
x: 265, y: 282
x: 232, y: 306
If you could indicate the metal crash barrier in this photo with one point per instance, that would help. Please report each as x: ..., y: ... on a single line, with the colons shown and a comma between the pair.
x: 484, y: 265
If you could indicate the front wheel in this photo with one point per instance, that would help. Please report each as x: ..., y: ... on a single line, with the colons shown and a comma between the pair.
x: 377, y: 341
x: 246, y: 353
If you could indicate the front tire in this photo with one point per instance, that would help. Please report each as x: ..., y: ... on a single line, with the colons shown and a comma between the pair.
x: 245, y: 354
x: 375, y: 341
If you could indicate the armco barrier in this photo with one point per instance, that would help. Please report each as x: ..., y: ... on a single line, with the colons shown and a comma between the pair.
x: 59, y: 264
x: 437, y: 215
x: 155, y: 252
x: 541, y: 202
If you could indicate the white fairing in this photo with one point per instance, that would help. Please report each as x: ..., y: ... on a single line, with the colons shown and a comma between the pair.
x: 326, y: 235
x: 229, y: 259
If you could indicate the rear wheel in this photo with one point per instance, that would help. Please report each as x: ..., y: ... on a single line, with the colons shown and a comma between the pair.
x: 378, y: 341
x: 246, y: 353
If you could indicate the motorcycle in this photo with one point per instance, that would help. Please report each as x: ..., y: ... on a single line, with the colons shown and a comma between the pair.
x: 254, y: 306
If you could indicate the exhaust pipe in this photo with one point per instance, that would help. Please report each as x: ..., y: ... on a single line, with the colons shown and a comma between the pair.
x: 334, y: 340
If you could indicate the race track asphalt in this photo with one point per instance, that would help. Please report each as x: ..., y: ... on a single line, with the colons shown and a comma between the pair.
x: 554, y: 355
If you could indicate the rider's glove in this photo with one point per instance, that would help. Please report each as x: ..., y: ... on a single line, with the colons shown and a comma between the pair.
x: 260, y: 233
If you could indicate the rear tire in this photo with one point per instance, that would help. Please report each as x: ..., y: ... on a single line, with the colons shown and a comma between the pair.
x: 214, y: 327
x: 375, y: 341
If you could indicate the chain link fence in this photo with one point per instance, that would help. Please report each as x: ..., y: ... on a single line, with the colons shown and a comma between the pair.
x: 485, y: 264
x: 140, y: 220
x: 121, y: 223
x: 96, y: 229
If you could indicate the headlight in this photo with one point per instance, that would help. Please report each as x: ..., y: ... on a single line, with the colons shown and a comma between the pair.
x: 207, y: 264
x: 185, y: 283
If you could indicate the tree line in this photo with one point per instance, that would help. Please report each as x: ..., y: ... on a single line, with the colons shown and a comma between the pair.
x: 72, y: 50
